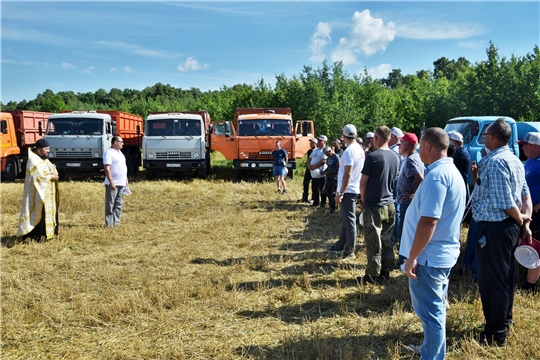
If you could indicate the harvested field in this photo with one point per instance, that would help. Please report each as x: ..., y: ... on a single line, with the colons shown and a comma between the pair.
x: 214, y: 270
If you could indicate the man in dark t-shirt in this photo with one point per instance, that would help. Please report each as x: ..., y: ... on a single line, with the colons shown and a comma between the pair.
x: 376, y: 188
x: 280, y: 166
x: 462, y: 159
x: 330, y: 175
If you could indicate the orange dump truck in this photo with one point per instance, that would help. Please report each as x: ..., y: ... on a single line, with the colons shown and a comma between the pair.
x: 78, y: 139
x: 19, y: 130
x: 250, y: 139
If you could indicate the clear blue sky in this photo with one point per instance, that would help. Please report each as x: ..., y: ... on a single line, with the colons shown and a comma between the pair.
x: 84, y: 46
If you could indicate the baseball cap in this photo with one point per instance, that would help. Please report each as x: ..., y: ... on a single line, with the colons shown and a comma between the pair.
x: 349, y: 130
x: 313, y: 140
x: 326, y: 149
x: 323, y: 138
x: 410, y: 138
x: 454, y: 135
x: 396, y: 132
x: 369, y: 135
x: 527, y: 254
x: 532, y: 138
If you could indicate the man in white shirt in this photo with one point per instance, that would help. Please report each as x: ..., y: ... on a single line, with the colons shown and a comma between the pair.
x: 317, y: 164
x: 115, y: 167
x: 348, y: 191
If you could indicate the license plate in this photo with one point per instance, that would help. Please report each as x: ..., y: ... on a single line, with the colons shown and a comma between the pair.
x: 174, y: 165
x: 73, y: 164
x: 266, y: 165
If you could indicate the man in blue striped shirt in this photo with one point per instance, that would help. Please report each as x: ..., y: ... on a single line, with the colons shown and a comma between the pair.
x: 502, y: 207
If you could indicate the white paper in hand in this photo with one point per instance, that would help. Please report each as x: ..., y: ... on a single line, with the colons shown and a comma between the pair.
x: 127, y: 191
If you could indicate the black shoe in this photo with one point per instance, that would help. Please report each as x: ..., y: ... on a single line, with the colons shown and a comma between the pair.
x: 490, y: 340
x: 314, y: 204
x: 366, y: 279
x: 332, y: 211
x: 385, y: 275
x: 527, y: 287
x: 335, y: 250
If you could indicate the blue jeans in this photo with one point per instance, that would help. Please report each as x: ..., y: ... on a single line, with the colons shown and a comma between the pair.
x: 428, y: 293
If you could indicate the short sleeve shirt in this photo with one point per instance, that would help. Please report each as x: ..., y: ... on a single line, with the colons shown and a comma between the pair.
x: 333, y: 164
x: 279, y: 157
x: 353, y: 156
x: 316, y: 156
x: 412, y: 166
x: 118, y: 168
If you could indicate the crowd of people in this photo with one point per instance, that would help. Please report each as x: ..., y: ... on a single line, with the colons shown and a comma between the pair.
x: 413, y: 197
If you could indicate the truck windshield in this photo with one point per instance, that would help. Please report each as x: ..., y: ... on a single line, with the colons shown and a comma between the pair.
x: 75, y: 126
x: 464, y: 127
x: 173, y: 127
x: 267, y: 127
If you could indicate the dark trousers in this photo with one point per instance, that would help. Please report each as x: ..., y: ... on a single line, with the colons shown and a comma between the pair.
x: 330, y: 187
x: 496, y: 274
x: 317, y: 185
x: 347, y: 233
x: 307, y: 180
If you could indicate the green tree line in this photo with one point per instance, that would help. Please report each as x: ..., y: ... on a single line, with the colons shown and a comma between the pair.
x: 332, y: 97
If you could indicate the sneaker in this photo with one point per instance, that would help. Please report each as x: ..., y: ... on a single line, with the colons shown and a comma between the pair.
x: 284, y: 192
x: 332, y: 211
x: 527, y: 287
x: 278, y: 191
x: 334, y: 250
x: 348, y: 257
x: 417, y: 349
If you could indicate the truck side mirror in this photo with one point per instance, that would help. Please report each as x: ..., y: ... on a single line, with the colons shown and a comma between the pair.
x: 40, y: 129
x: 3, y: 126
x: 138, y: 130
x: 305, y: 128
x: 227, y: 129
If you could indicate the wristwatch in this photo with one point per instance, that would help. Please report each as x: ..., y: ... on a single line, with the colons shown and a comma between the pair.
x: 338, y: 193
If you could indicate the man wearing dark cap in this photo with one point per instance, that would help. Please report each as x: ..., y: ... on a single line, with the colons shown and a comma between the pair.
x: 39, y: 210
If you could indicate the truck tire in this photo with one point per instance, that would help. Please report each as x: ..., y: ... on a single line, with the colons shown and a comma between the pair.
x: 11, y: 170
x: 201, y: 173
x: 238, y: 174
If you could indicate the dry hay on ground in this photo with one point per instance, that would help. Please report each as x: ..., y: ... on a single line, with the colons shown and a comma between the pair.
x: 213, y: 269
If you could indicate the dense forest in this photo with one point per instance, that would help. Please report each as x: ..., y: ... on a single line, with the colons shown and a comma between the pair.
x: 332, y: 97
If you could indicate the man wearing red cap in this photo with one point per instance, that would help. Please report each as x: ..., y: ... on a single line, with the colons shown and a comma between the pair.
x: 410, y: 176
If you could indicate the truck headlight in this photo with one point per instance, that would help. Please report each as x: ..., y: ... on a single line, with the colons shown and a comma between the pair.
x: 196, y: 155
x: 150, y: 155
x: 96, y: 154
x: 253, y: 165
x: 51, y: 154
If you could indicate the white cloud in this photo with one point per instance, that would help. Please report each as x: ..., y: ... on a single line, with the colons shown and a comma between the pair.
x: 472, y: 44
x: 367, y: 36
x: 127, y: 69
x: 380, y: 71
x: 437, y: 31
x: 8, y: 61
x: 112, y: 69
x: 140, y: 50
x: 35, y: 63
x: 33, y: 36
x: 319, y: 40
x: 191, y: 64
x: 67, y: 66
x: 88, y: 70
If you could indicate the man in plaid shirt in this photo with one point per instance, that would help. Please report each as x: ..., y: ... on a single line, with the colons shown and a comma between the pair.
x: 502, y: 207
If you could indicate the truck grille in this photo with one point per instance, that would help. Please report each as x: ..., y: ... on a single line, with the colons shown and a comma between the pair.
x: 73, y: 154
x: 173, y: 155
x: 258, y: 156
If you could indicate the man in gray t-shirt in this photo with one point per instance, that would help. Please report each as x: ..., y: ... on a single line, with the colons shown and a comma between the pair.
x: 330, y: 175
x: 376, y: 188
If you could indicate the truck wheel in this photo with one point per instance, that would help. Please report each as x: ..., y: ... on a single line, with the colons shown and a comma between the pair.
x: 136, y: 163
x: 238, y: 174
x: 201, y: 173
x: 150, y: 174
x: 11, y: 170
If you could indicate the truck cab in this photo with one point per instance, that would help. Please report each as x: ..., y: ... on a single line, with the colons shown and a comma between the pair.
x: 78, y: 140
x: 250, y: 139
x: 9, y: 150
x: 176, y: 142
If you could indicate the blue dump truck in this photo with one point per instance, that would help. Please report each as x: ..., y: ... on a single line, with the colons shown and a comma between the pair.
x: 473, y: 127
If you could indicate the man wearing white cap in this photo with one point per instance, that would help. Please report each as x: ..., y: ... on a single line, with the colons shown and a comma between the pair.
x: 395, y: 140
x: 368, y: 143
x: 531, y: 149
x: 348, y: 191
x: 461, y: 157
x: 317, y: 164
